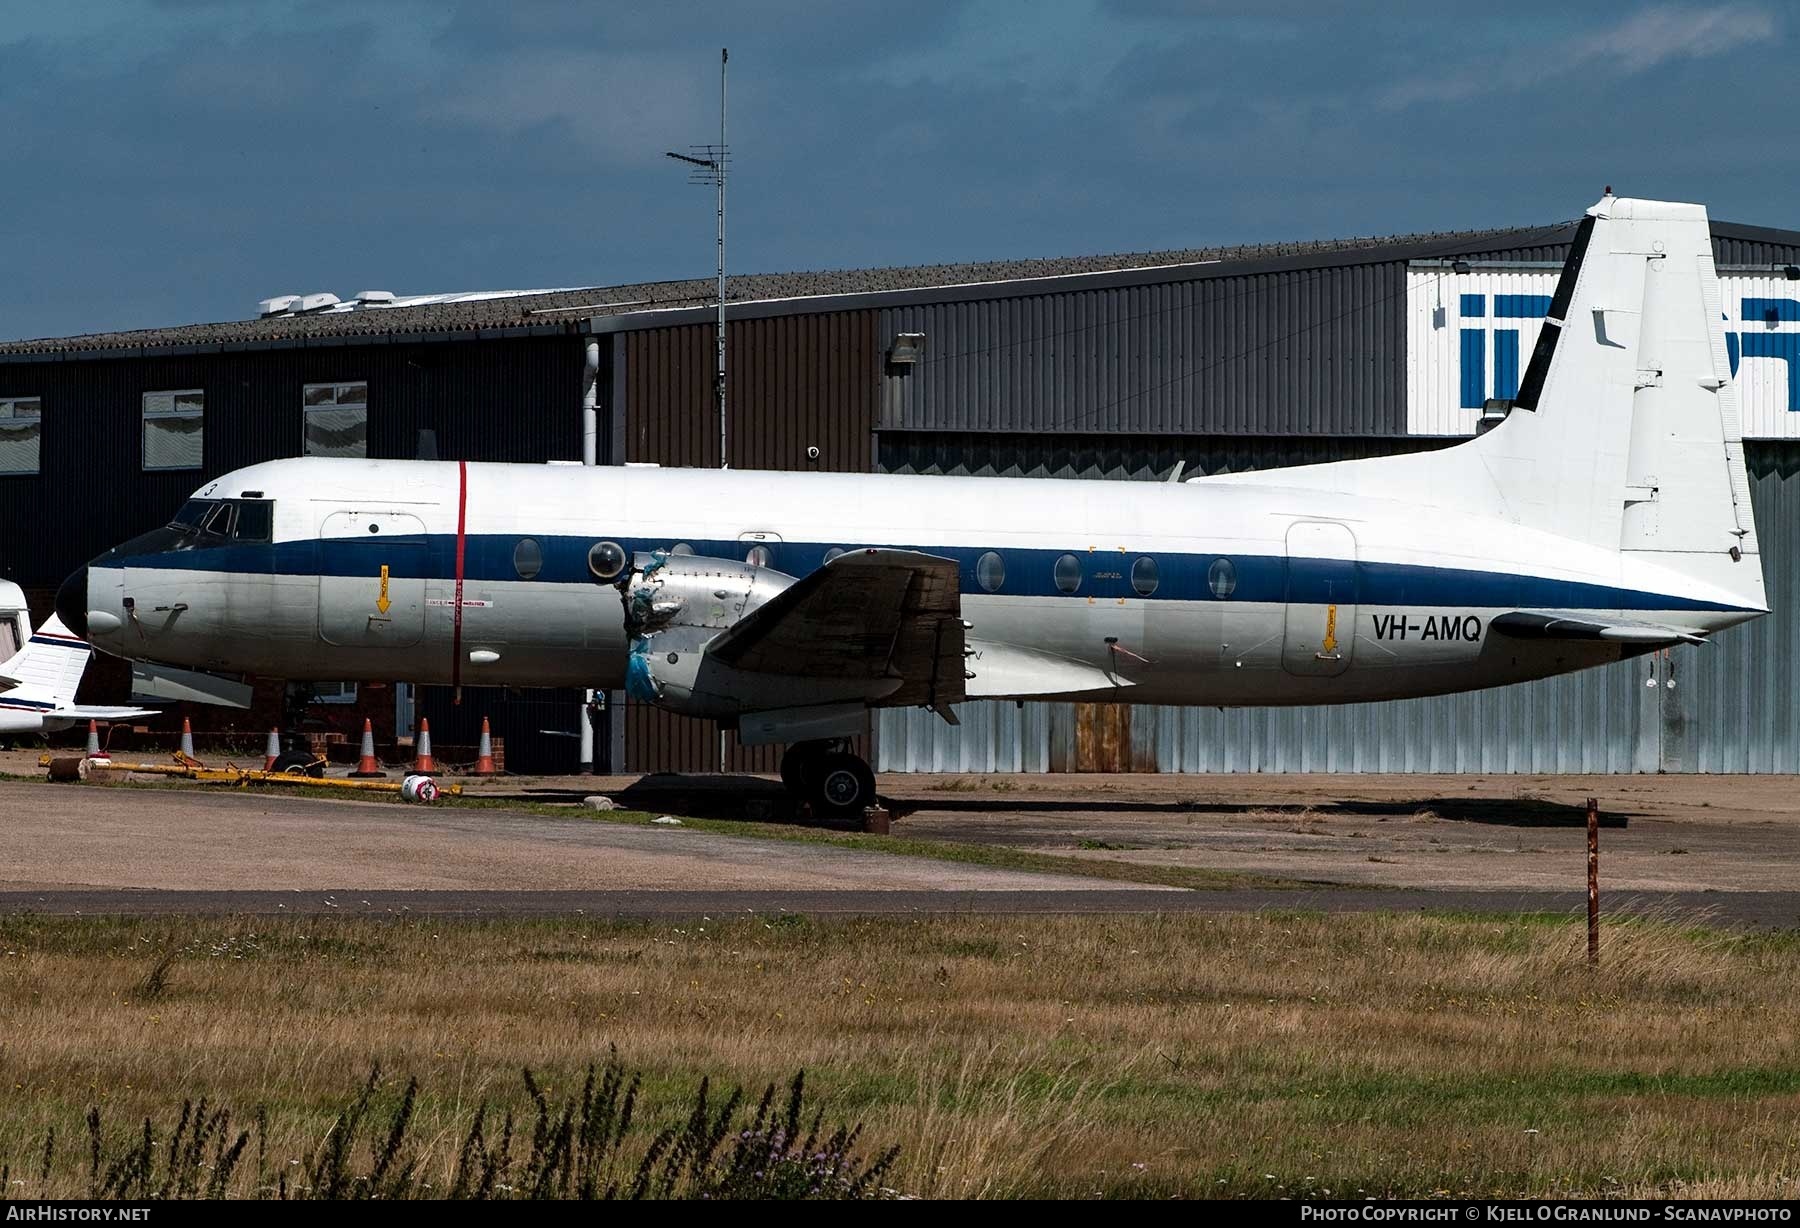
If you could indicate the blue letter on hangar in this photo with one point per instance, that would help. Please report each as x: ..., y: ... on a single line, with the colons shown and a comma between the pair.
x: 1765, y: 325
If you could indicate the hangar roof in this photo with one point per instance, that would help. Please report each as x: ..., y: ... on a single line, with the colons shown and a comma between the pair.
x: 646, y: 304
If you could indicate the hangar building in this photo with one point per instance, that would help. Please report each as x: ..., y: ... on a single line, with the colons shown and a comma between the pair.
x: 1113, y: 366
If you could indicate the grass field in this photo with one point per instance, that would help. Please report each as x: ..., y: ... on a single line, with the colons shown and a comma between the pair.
x: 1263, y: 1055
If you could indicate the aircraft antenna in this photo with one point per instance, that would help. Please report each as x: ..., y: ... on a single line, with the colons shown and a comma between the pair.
x: 709, y: 163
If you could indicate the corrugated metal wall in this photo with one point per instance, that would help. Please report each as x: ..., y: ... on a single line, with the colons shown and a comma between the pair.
x: 794, y: 382
x: 487, y: 400
x: 1730, y: 706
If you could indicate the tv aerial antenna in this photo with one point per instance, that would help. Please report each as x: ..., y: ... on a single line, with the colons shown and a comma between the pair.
x: 709, y: 165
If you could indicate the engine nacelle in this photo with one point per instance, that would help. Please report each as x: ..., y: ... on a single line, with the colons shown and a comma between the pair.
x: 676, y: 605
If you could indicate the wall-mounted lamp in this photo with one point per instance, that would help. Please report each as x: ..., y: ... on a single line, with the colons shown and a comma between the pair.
x: 908, y: 348
x: 1459, y: 266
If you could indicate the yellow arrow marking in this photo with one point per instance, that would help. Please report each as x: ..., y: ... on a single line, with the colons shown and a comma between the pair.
x: 1330, y: 644
x: 382, y: 603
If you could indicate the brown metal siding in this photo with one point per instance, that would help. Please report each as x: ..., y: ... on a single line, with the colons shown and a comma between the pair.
x: 793, y: 382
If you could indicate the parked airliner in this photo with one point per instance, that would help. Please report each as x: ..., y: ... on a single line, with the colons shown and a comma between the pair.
x: 1607, y: 515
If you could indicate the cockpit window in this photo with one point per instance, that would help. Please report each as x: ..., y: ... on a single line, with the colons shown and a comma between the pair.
x: 218, y: 521
x: 193, y: 513
x: 255, y: 520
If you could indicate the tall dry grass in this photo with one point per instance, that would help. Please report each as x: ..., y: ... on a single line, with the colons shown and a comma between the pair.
x: 1005, y: 1056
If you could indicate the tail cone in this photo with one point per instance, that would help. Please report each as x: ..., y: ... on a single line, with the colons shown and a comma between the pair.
x: 367, y: 767
x: 484, y: 756
x: 423, y: 763
x: 272, y: 751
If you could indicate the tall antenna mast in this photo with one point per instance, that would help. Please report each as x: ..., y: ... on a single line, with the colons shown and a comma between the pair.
x: 709, y: 163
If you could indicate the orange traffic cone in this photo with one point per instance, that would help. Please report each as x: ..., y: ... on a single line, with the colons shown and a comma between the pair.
x: 423, y: 763
x: 367, y: 768
x: 484, y: 755
x: 93, y: 742
x: 272, y: 750
x: 187, y: 738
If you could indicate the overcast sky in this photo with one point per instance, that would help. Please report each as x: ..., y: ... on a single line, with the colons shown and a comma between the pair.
x: 169, y: 161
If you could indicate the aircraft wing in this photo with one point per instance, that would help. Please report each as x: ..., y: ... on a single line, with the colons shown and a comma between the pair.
x: 865, y: 614
x: 1552, y: 625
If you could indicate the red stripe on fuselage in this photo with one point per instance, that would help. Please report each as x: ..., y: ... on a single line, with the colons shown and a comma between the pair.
x: 462, y: 543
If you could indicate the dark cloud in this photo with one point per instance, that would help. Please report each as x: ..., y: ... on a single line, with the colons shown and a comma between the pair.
x: 184, y: 163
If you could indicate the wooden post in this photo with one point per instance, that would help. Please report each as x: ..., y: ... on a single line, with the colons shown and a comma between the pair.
x: 1593, y: 824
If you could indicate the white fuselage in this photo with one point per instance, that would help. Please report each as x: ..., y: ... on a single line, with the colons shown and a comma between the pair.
x: 1263, y: 593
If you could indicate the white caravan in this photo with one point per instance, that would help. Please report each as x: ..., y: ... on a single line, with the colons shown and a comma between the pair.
x: 1607, y: 515
x: 40, y: 671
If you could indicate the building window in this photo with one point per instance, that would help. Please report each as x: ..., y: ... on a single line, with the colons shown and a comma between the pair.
x: 174, y: 429
x: 334, y: 692
x: 336, y: 420
x: 1144, y: 576
x: 990, y: 571
x: 1068, y: 573
x: 21, y: 430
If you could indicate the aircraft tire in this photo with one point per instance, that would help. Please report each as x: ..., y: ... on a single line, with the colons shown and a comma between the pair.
x: 298, y: 763
x: 841, y: 784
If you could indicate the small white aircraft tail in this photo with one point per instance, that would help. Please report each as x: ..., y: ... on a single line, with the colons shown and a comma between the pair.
x: 43, y: 676
x: 1625, y: 432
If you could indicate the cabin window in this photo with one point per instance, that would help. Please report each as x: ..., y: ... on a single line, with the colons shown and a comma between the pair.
x: 1143, y: 576
x: 681, y: 548
x: 606, y: 560
x: 255, y: 521
x: 990, y: 571
x: 1068, y: 573
x: 528, y: 558
x: 335, y: 419
x: 21, y: 434
x: 1221, y: 577
x: 833, y: 553
x: 759, y: 556
x: 174, y: 429
x: 10, y: 639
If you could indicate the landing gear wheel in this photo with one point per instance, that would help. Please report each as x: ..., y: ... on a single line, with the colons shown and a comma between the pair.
x: 840, y: 784
x: 298, y: 763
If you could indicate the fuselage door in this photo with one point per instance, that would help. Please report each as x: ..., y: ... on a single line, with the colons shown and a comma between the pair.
x: 372, y: 579
x: 1321, y: 598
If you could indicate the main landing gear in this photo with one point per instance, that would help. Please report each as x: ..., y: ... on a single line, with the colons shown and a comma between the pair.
x: 837, y: 783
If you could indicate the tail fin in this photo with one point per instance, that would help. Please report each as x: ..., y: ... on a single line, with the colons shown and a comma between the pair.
x: 1625, y: 433
x: 46, y: 672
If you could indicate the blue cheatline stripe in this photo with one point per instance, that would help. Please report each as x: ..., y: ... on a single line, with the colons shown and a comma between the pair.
x: 1473, y: 306
x: 57, y: 642
x: 1106, y: 575
x: 27, y: 705
x: 1521, y: 306
x: 1474, y: 368
x: 1506, y: 363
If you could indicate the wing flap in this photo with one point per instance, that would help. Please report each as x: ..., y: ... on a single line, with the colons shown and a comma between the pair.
x: 866, y: 614
x: 1552, y: 625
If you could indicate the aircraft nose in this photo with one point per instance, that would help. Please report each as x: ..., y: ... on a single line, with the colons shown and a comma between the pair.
x: 72, y: 602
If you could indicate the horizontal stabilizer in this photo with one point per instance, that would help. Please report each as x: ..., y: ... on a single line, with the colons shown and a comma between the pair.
x: 87, y: 712
x: 1536, y: 625
x: 7, y: 684
x: 162, y: 683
